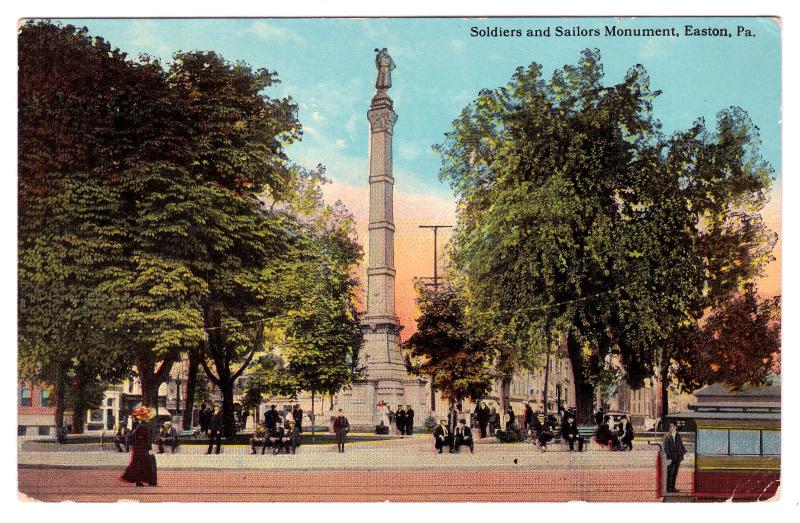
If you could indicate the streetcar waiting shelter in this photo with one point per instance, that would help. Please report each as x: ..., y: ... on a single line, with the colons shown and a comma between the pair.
x: 737, y: 442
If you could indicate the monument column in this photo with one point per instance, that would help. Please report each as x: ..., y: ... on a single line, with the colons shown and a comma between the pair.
x: 382, y: 358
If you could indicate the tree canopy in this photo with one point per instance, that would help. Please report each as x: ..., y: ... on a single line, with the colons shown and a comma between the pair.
x: 576, y: 215
x: 444, y: 349
x: 159, y: 215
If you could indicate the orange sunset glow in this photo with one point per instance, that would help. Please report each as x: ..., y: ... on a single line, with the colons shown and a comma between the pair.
x: 414, y: 246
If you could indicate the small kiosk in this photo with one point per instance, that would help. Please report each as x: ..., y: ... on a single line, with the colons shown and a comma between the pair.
x: 738, y: 442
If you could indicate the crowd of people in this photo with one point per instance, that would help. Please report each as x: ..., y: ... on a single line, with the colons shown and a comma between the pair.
x: 281, y: 429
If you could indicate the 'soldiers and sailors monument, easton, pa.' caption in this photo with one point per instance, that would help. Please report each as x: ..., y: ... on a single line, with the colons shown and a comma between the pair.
x: 560, y: 31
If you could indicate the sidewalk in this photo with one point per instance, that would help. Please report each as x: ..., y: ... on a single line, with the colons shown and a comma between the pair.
x: 408, y: 454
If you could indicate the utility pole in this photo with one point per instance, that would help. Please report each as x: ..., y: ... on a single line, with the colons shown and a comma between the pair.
x: 435, y: 285
x: 435, y: 251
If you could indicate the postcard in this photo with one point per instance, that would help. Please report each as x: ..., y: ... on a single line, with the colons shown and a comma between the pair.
x: 418, y: 259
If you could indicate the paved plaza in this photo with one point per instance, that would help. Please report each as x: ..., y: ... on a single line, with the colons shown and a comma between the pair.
x: 397, y: 469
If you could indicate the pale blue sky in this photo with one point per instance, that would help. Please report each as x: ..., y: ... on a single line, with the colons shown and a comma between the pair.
x: 327, y: 66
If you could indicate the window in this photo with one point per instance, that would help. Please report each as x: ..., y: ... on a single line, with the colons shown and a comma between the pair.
x: 110, y: 402
x: 712, y: 441
x: 21, y: 430
x: 771, y: 442
x: 45, y: 400
x: 44, y: 430
x: 747, y: 442
x: 25, y: 397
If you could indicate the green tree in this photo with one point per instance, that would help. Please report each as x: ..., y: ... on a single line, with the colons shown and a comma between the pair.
x: 444, y: 350
x: 320, y: 336
x: 577, y: 216
x: 236, y: 138
x: 68, y: 236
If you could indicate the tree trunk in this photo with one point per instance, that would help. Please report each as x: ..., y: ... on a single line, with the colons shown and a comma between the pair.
x: 151, y: 379
x: 545, y: 390
x: 228, y: 418
x: 584, y: 392
x: 60, y: 404
x: 191, y: 383
x: 80, y: 405
x: 664, y: 384
x: 313, y: 434
x: 505, y: 393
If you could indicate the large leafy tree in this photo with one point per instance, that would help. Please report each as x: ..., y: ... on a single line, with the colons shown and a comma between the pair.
x: 82, y: 119
x: 577, y: 216
x: 177, y: 236
x: 445, y: 350
x: 237, y: 136
x: 320, y: 336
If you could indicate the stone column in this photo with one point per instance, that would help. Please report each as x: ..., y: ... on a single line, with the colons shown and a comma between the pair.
x: 381, y: 352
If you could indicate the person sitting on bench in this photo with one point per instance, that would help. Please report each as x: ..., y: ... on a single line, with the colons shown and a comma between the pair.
x: 605, y: 436
x: 625, y: 434
x: 570, y: 433
x: 276, y: 438
x: 442, y: 437
x: 291, y: 438
x: 464, y: 437
x: 167, y: 435
x: 259, y: 439
x: 122, y: 438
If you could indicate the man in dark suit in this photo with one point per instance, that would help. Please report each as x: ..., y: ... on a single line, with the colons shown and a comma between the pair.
x: 297, y: 414
x: 409, y: 420
x: 674, y: 449
x: 569, y: 431
x: 167, y: 435
x: 442, y: 436
x: 625, y: 434
x: 464, y: 437
x: 122, y: 438
x: 270, y: 419
x: 276, y: 437
x: 215, y: 427
x: 599, y: 417
x: 400, y: 420
x: 482, y: 412
x: 291, y: 438
x: 259, y: 439
x: 204, y: 418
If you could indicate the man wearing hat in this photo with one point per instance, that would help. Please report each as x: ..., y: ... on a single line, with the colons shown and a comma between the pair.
x: 340, y: 427
x: 259, y: 439
x: 215, y: 428
x: 409, y: 420
x: 167, y: 435
x: 442, y: 436
x: 291, y: 437
x: 122, y: 437
x: 569, y: 431
x: 276, y: 437
x: 464, y: 436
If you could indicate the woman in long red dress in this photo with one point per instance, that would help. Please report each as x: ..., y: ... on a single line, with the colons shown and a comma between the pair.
x: 142, y: 468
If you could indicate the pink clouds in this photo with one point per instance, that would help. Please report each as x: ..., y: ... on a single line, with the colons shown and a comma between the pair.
x: 414, y: 246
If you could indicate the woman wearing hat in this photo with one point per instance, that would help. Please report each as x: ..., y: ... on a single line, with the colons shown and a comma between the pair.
x: 142, y: 468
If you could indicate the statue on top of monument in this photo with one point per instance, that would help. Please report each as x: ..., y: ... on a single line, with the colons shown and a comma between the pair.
x: 385, y: 66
